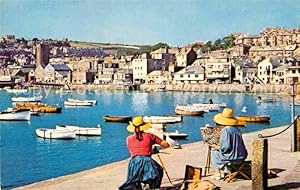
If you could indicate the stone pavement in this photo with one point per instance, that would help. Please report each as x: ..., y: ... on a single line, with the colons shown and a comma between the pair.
x: 111, y: 176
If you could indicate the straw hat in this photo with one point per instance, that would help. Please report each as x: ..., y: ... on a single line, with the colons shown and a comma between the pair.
x: 138, y: 122
x: 226, y: 118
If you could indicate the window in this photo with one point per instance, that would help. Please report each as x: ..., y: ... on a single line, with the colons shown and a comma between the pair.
x: 181, y: 76
x: 189, y: 76
x: 196, y: 75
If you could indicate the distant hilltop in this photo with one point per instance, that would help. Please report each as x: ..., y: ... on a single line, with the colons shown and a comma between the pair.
x: 101, y: 45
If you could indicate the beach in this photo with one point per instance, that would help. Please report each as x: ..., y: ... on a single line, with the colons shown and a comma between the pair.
x: 111, y: 176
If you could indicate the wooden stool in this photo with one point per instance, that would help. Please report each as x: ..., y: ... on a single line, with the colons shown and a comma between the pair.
x: 238, y: 168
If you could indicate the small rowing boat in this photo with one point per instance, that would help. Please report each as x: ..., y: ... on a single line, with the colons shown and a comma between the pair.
x: 163, y: 119
x: 123, y: 119
x: 265, y: 100
x: 16, y: 90
x: 176, y: 135
x: 82, y: 131
x: 68, y: 103
x: 191, y: 112
x: 254, y: 118
x: 27, y: 99
x: 77, y: 100
x: 15, y: 115
x: 55, y: 133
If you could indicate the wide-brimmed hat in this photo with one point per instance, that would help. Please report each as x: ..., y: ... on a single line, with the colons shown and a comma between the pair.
x: 227, y: 118
x: 138, y: 121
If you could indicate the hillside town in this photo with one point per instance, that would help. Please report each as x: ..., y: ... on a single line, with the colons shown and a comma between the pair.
x: 270, y: 57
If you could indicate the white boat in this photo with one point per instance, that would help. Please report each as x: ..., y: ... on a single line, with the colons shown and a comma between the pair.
x: 162, y: 119
x: 176, y: 135
x: 210, y: 107
x: 15, y: 115
x: 67, y: 103
x: 16, y: 91
x: 27, y: 99
x: 265, y: 100
x: 84, y: 131
x: 173, y: 135
x: 55, y: 133
x: 77, y: 100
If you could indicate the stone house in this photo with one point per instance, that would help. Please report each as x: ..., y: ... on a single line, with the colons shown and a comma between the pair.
x: 190, y: 75
x: 185, y: 57
x: 218, y: 70
x: 293, y: 72
x: 265, y: 69
x: 142, y: 66
x: 24, y: 74
x: 159, y: 77
x: 84, y: 70
x: 166, y: 58
x: 57, y: 73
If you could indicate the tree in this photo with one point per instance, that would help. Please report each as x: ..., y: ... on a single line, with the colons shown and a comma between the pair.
x: 159, y: 45
x: 217, y: 44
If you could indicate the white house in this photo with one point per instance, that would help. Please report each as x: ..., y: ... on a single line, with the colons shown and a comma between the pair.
x: 190, y: 74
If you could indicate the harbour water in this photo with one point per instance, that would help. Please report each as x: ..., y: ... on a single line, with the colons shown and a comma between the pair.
x: 27, y: 159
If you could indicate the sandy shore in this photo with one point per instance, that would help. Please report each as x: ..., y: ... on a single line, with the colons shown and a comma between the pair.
x: 111, y: 176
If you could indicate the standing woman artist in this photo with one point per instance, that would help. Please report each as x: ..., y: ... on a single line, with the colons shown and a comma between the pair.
x: 142, y: 168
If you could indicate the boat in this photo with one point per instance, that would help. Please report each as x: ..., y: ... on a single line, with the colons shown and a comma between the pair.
x: 186, y: 111
x: 265, y: 100
x: 176, y: 135
x: 27, y: 99
x: 55, y: 133
x: 94, y: 102
x: 82, y: 131
x: 210, y: 106
x: 254, y: 118
x: 161, y: 133
x: 44, y: 108
x: 163, y: 119
x: 16, y: 90
x: 68, y: 103
x: 112, y: 118
x: 15, y: 115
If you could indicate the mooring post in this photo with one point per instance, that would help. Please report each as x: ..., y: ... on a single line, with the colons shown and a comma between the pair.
x: 259, y: 166
x: 293, y: 133
x: 297, y: 134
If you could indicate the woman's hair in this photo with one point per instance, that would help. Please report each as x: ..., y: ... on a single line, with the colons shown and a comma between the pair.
x: 138, y: 133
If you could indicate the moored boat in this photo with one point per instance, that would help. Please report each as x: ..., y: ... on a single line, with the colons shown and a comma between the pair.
x: 15, y: 115
x: 68, y: 103
x: 43, y: 108
x: 27, y: 99
x: 254, y: 118
x: 176, y: 135
x: 163, y: 119
x: 161, y: 133
x: 210, y: 107
x: 265, y: 100
x: 113, y: 118
x: 83, y: 131
x: 77, y: 100
x: 16, y: 90
x: 55, y: 133
x: 185, y: 111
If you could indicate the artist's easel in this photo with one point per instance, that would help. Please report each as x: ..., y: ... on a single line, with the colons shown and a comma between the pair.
x: 207, y: 163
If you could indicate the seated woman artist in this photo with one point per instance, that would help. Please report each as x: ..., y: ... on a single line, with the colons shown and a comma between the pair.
x: 231, y: 147
x: 142, y: 168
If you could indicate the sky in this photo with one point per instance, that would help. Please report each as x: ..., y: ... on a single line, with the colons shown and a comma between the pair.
x: 176, y: 22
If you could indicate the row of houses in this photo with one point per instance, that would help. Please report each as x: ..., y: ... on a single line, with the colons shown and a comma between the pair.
x: 146, y: 68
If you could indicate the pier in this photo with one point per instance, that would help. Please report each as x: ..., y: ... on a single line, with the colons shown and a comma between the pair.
x: 111, y: 176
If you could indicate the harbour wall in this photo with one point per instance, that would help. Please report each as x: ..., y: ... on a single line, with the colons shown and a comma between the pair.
x: 280, y: 89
